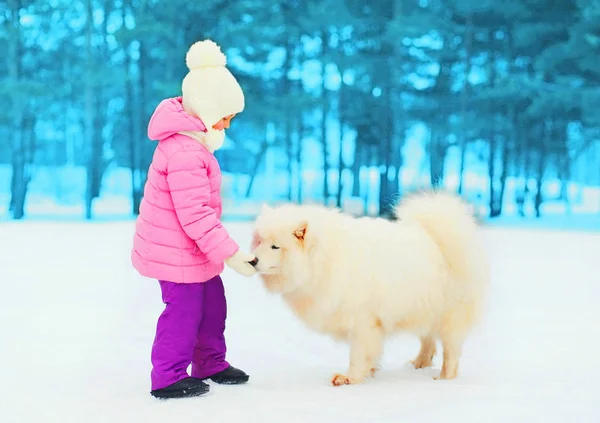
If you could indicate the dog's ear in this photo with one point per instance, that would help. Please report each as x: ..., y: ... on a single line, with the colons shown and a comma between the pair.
x: 255, y: 239
x: 300, y: 230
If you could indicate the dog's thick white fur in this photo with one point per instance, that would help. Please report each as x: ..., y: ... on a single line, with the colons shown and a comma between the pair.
x: 362, y: 279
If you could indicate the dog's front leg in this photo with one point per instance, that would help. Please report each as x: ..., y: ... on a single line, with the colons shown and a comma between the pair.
x: 366, y: 344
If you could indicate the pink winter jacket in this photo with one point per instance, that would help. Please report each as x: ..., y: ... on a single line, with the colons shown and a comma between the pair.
x: 178, y: 233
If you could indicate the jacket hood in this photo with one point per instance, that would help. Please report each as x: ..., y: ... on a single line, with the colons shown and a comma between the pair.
x: 170, y: 118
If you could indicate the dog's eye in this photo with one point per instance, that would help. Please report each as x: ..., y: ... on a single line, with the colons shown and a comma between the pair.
x: 274, y: 247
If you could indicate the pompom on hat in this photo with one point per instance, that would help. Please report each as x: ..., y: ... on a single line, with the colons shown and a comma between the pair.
x: 210, y: 91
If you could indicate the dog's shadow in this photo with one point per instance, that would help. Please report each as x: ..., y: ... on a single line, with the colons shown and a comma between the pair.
x: 309, y: 378
x: 406, y: 372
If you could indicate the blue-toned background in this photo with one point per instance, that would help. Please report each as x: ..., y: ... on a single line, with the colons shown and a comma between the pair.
x: 349, y: 103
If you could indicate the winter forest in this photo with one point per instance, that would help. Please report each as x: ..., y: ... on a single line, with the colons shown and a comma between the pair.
x: 348, y: 103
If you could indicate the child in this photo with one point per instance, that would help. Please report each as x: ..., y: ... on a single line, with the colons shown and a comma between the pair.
x: 179, y: 238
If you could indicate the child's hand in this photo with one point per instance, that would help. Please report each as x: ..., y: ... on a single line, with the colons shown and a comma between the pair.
x: 240, y: 263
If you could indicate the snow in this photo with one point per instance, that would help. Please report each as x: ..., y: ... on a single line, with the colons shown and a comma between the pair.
x: 77, y: 324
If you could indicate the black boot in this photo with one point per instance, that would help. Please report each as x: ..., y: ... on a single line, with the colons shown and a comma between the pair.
x: 185, y: 388
x: 230, y: 376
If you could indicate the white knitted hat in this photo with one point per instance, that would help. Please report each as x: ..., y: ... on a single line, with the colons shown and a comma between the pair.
x: 210, y: 91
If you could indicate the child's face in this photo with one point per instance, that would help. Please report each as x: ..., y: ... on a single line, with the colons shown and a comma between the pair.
x: 223, y: 123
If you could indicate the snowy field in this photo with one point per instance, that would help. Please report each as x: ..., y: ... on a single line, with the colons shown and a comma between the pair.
x: 77, y: 323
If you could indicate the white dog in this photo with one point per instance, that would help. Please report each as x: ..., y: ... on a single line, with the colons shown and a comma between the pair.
x: 362, y: 279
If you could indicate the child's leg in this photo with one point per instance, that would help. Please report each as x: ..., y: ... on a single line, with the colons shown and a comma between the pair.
x: 176, y: 331
x: 210, y: 349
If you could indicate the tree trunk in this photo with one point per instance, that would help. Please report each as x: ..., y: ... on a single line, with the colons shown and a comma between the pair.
x: 492, y: 174
x: 496, y: 203
x: 358, y: 155
x: 564, y: 167
x: 325, y: 114
x: 463, y: 102
x: 564, y: 172
x: 19, y: 181
x: 396, y: 158
x: 133, y: 129
x: 492, y: 145
x: 341, y: 165
x: 89, y: 116
x: 299, y: 156
x: 437, y: 155
x: 101, y: 105
x: 386, y: 51
x: 539, y: 198
x: 538, y: 186
x: 95, y: 115
x: 144, y: 113
x: 521, y: 163
x: 368, y: 162
x: 503, y: 176
x: 288, y: 113
x: 384, y: 181
x: 290, y: 155
x: 28, y: 139
x: 257, y: 161
x: 145, y: 149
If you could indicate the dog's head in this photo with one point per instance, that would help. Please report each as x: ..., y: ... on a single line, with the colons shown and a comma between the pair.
x: 280, y: 244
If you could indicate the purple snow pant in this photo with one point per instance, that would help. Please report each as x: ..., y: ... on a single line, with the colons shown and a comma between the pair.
x: 190, y: 330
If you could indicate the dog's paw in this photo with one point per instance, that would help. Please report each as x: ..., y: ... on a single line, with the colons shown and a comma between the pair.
x: 373, y: 371
x: 445, y: 376
x: 421, y: 363
x: 339, y: 380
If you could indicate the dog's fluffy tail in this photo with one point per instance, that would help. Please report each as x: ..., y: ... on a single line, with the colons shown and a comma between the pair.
x: 451, y: 223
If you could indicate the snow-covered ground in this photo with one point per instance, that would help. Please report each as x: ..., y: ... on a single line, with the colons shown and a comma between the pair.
x: 77, y: 322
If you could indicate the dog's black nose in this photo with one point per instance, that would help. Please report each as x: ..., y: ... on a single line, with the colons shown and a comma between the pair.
x: 254, y: 262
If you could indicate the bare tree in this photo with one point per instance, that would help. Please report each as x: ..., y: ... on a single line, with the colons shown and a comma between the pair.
x: 20, y: 176
x: 133, y: 128
x: 325, y: 113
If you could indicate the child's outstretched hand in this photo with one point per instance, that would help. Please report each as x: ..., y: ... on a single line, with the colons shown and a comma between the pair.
x: 240, y: 262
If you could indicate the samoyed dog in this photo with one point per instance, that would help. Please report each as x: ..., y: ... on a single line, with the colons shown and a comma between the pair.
x: 363, y: 279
